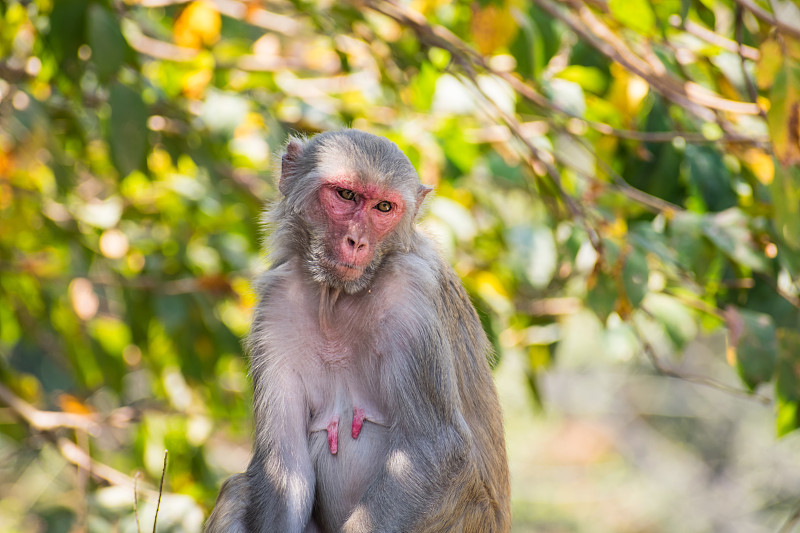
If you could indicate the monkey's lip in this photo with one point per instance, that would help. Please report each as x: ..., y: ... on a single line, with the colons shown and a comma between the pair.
x: 348, y: 271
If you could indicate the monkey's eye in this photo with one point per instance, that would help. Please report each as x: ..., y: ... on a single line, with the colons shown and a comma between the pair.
x: 384, y: 206
x: 347, y: 194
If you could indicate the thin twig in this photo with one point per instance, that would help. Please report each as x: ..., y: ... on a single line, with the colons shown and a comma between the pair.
x: 747, y: 52
x: 160, y: 489
x: 136, y: 501
x: 81, y: 459
x: 769, y: 18
x: 47, y: 420
x: 697, y: 99
x: 792, y: 521
x: 706, y: 381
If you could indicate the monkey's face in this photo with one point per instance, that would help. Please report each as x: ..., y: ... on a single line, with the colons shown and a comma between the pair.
x: 356, y: 222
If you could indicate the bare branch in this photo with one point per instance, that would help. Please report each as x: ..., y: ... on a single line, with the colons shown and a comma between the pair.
x: 47, y: 420
x: 252, y: 14
x: 701, y: 32
x: 706, y: 381
x: 768, y: 17
x: 158, y: 49
x: 792, y: 521
x: 697, y: 99
x: 75, y: 455
x: 248, y: 12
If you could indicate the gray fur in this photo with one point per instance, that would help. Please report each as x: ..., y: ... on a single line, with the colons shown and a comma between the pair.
x: 405, y: 344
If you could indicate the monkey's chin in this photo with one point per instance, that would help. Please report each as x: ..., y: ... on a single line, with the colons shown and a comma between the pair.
x: 339, y: 275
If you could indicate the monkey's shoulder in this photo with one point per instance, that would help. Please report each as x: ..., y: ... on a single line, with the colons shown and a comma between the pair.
x: 424, y: 280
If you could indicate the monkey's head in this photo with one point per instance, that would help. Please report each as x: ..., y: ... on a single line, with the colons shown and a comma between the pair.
x: 349, y: 199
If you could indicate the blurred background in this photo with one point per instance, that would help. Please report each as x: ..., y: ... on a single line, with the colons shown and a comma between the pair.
x: 617, y: 184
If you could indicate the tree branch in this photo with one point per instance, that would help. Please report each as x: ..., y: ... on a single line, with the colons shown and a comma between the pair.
x: 769, y: 18
x: 701, y: 32
x: 48, y: 422
x: 706, y: 381
x: 696, y: 98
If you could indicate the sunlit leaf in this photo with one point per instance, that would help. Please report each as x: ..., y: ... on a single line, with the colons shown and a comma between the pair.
x: 785, y: 190
x: 197, y: 25
x: 783, y: 116
x: 636, y: 14
x: 493, y: 27
x: 729, y: 232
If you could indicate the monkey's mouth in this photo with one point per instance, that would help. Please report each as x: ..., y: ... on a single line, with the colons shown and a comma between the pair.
x: 347, y: 271
x: 342, y: 270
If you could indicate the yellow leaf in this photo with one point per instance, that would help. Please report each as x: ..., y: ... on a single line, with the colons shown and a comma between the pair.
x: 70, y: 404
x: 769, y: 64
x: 489, y: 287
x: 492, y: 27
x: 194, y: 83
x: 760, y: 164
x: 627, y: 91
x: 783, y: 117
x: 197, y: 25
x: 427, y: 7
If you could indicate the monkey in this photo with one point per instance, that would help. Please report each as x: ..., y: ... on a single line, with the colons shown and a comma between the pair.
x: 374, y: 405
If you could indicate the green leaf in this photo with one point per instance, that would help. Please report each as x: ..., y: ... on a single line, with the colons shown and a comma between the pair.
x: 590, y: 79
x: 634, y: 277
x: 106, y: 40
x: 729, y: 232
x: 787, y: 418
x: 753, y: 344
x: 635, y: 14
x: 527, y: 48
x: 128, y: 129
x: 712, y: 179
x: 785, y: 191
x: 111, y: 333
x: 602, y: 296
x: 677, y: 319
x: 787, y: 384
x: 67, y: 25
x: 423, y: 87
x: 534, y: 252
x: 693, y: 251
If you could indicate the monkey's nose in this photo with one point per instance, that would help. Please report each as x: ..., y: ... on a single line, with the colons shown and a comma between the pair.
x: 356, y: 245
x: 355, y: 249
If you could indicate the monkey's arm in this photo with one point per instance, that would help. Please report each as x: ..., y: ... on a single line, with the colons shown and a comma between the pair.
x: 280, y: 475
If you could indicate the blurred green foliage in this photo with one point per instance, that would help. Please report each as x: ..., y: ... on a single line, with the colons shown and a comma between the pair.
x: 634, y: 159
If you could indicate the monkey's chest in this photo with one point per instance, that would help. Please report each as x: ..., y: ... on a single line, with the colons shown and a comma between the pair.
x: 348, y: 443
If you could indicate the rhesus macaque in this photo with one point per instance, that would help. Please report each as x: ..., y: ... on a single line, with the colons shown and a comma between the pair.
x: 374, y: 404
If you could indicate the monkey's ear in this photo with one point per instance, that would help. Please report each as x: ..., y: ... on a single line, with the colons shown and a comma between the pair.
x: 288, y: 164
x: 422, y: 192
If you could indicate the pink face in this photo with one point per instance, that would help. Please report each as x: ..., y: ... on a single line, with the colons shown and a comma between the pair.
x: 359, y: 217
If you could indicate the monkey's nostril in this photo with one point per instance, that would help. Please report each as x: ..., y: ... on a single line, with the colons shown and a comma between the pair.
x: 351, y: 242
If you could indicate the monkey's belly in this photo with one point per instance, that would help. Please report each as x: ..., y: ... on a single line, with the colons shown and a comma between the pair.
x: 342, y: 478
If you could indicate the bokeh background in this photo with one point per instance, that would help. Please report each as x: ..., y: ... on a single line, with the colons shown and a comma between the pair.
x: 616, y: 184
